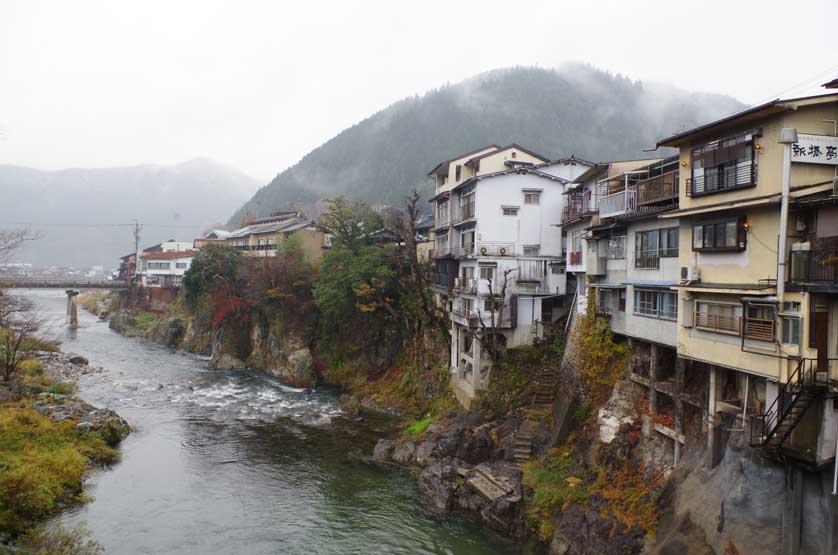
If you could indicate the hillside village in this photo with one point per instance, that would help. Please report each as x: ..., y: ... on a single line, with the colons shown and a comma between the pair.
x: 717, y: 269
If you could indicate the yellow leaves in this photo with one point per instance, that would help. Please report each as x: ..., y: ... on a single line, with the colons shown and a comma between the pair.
x: 573, y: 481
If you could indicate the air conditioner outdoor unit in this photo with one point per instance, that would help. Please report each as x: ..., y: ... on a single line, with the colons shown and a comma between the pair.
x: 690, y: 273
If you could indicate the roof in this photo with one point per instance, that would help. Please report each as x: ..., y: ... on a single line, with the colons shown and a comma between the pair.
x: 501, y: 149
x: 650, y: 283
x: 569, y: 160
x: 476, y: 178
x: 286, y: 226
x: 446, y: 162
x: 219, y: 233
x: 169, y: 255
x: 831, y: 84
x: 275, y: 217
x: 760, y: 111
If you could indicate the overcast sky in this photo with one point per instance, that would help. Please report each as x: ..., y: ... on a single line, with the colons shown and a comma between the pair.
x: 259, y: 84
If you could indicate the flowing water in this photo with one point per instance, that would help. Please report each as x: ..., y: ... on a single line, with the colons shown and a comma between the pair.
x: 234, y: 462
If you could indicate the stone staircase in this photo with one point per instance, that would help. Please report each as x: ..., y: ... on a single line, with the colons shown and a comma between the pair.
x: 545, y: 392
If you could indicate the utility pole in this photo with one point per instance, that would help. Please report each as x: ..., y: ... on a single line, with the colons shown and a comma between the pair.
x: 137, y: 253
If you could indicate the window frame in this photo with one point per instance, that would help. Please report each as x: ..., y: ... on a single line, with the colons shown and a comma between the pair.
x: 658, y: 310
x: 719, y: 223
x: 786, y: 319
x: 530, y: 195
x: 537, y: 248
x: 733, y: 306
x: 722, y: 155
x: 513, y: 211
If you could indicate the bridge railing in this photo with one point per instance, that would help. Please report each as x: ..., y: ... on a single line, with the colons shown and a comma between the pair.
x: 61, y: 283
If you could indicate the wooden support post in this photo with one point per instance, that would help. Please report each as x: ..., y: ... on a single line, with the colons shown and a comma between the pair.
x: 792, y: 510
x: 678, y: 392
x: 653, y: 378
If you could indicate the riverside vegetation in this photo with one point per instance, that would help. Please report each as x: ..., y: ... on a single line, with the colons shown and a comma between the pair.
x: 49, y: 439
x: 364, y: 319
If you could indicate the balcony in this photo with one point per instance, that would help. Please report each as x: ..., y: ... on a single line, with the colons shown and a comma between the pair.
x: 576, y: 258
x: 441, y: 280
x: 576, y: 206
x: 647, y: 260
x: 726, y: 178
x: 617, y: 204
x: 657, y: 189
x: 819, y: 267
x: 465, y: 284
x: 467, y: 212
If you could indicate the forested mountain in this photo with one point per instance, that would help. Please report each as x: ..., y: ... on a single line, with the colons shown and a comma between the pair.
x: 577, y: 110
x: 84, y: 214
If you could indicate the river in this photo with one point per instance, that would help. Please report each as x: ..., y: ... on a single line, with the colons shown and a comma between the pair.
x: 236, y: 463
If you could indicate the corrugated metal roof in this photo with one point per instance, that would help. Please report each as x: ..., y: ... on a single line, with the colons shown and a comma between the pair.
x: 650, y: 283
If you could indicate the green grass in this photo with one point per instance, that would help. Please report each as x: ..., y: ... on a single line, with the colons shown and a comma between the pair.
x: 145, y: 321
x: 418, y: 428
x: 62, y: 388
x: 43, y: 465
x: 554, y: 483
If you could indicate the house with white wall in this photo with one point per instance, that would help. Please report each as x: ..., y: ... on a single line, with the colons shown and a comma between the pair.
x: 166, y: 269
x: 498, y: 253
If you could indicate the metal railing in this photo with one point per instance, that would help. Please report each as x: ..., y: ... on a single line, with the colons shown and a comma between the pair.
x: 718, y: 323
x: 646, y: 260
x: 819, y: 266
x: 659, y: 188
x: 465, y: 284
x: 617, y: 203
x: 730, y: 177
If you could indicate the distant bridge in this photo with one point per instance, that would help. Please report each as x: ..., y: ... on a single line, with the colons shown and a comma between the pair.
x: 61, y: 283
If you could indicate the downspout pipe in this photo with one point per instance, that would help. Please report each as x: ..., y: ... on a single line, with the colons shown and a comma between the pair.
x: 788, y: 136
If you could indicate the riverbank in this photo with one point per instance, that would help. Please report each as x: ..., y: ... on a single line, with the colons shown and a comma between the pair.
x: 50, y: 440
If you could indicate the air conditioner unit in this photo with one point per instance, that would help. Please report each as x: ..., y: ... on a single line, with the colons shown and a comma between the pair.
x: 690, y: 273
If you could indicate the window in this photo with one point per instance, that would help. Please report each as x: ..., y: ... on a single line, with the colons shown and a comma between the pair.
x: 647, y: 249
x: 719, y: 235
x: 532, y: 197
x: 487, y: 272
x: 646, y: 302
x: 718, y: 317
x: 760, y: 321
x: 467, y: 242
x: 181, y: 265
x: 617, y: 247
x: 491, y: 305
x: 531, y: 250
x: 556, y: 269
x: 669, y: 305
x: 723, y: 165
x: 791, y: 330
x: 669, y: 243
x: 514, y: 154
x: 467, y: 206
x: 158, y: 266
x: 468, y: 305
x: 510, y: 210
x: 458, y: 172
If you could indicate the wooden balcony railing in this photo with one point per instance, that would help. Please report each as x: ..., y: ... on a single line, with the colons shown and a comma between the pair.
x: 760, y: 329
x: 659, y: 188
x: 718, y: 323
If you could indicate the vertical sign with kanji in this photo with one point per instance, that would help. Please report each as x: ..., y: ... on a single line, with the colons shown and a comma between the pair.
x: 815, y: 149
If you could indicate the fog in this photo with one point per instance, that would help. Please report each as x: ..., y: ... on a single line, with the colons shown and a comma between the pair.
x: 259, y: 84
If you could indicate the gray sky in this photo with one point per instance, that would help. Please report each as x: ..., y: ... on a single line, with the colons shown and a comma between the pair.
x: 259, y: 84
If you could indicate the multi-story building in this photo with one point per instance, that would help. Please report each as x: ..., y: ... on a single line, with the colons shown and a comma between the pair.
x: 261, y: 237
x: 581, y: 213
x: 758, y: 318
x: 497, y: 255
x: 165, y: 268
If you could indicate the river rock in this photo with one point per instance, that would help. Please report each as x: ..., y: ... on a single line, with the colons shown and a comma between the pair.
x: 404, y: 453
x: 580, y: 531
x: 437, y: 484
x: 383, y: 450
x: 225, y: 361
x: 78, y: 360
x: 169, y: 332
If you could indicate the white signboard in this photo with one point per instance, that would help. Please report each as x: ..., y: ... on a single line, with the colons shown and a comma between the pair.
x: 815, y: 149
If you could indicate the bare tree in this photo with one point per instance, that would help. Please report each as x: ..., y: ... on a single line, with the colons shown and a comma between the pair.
x: 489, y: 337
x: 417, y: 272
x: 12, y: 239
x: 19, y: 323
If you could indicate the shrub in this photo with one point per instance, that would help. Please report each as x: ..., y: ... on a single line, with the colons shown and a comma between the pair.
x: 145, y: 321
x: 554, y: 482
x: 43, y: 465
x: 57, y: 540
x: 418, y: 428
x: 62, y: 388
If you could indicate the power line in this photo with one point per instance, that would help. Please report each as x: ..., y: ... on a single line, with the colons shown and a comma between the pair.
x: 175, y: 226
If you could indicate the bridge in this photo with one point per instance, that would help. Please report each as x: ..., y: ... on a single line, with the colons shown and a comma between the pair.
x: 60, y: 283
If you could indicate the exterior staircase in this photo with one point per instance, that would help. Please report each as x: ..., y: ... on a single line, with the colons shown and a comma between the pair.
x: 806, y: 384
x: 545, y: 392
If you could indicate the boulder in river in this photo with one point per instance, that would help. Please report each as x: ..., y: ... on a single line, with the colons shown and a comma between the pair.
x: 225, y: 361
x: 78, y: 360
